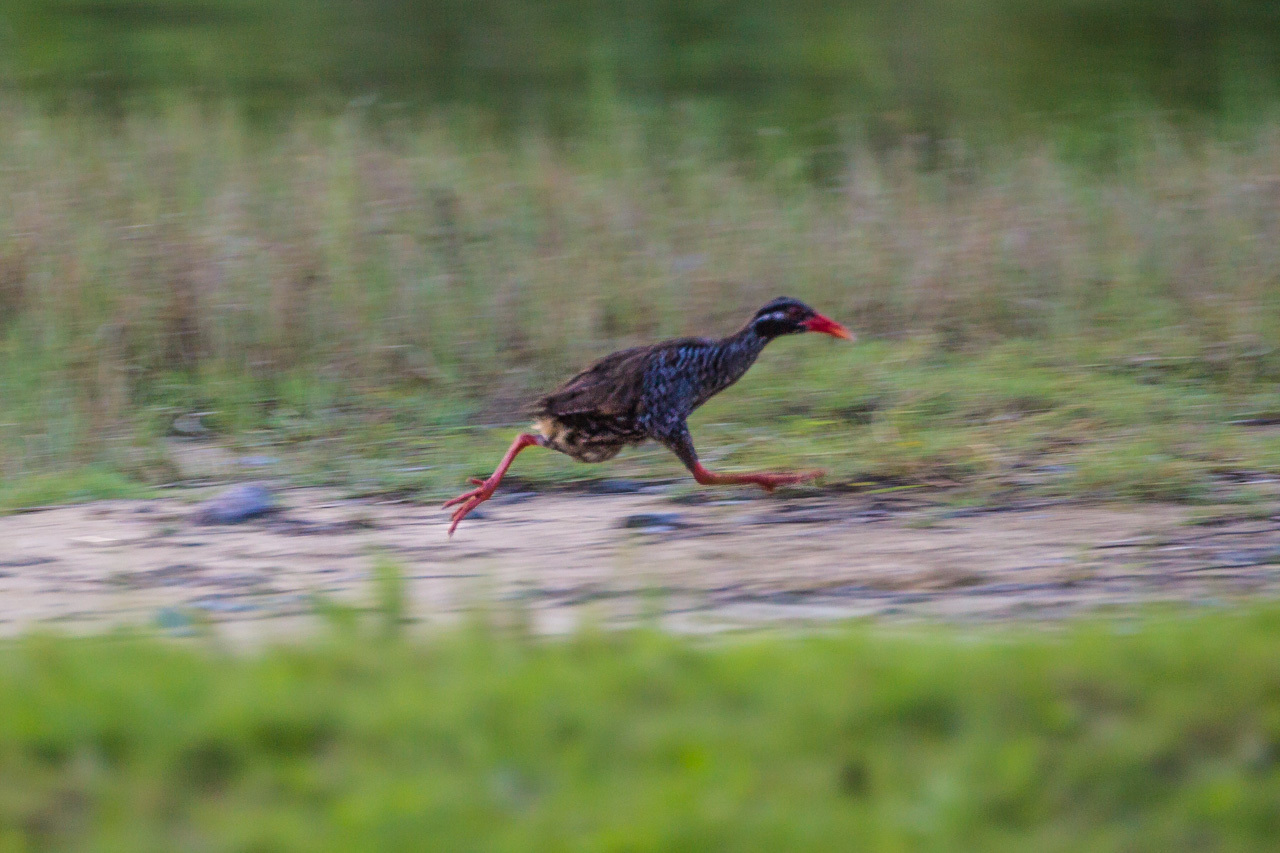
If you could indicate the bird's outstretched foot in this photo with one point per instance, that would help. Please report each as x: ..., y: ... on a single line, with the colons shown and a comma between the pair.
x: 470, y: 500
x: 769, y: 482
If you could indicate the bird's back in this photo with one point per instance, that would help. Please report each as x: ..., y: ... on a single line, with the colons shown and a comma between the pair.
x: 600, y: 410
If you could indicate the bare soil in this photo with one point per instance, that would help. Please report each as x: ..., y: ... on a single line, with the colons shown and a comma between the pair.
x: 613, y: 558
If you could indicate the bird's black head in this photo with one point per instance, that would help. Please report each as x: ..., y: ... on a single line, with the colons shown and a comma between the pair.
x: 786, y: 316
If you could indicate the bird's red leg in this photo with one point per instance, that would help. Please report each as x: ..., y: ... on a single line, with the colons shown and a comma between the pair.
x: 768, y: 482
x: 677, y: 438
x: 472, y: 499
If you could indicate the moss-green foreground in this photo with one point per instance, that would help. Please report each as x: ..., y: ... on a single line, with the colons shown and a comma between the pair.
x: 1159, y: 733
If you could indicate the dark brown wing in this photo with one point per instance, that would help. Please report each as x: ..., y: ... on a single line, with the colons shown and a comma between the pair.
x: 608, y: 400
x: 611, y: 389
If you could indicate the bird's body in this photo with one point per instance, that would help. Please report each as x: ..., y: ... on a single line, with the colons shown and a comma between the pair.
x: 648, y: 392
x: 642, y: 393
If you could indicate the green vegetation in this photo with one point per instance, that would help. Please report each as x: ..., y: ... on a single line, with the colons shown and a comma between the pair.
x: 349, y: 238
x: 358, y: 300
x: 1158, y: 733
x: 70, y: 486
x: 813, y: 69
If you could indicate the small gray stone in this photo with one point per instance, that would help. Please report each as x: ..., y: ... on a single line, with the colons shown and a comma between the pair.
x: 190, y: 425
x: 1246, y: 557
x: 25, y: 562
x: 653, y: 522
x: 615, y: 487
x: 237, y: 504
x: 216, y: 603
x: 175, y: 622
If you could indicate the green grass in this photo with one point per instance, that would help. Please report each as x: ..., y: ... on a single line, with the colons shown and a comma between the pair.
x: 83, y: 484
x: 1002, y: 421
x: 1157, y: 733
x: 360, y: 300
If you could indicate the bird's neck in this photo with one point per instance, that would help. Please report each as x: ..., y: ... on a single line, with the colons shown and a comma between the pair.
x: 728, y: 360
x: 741, y: 349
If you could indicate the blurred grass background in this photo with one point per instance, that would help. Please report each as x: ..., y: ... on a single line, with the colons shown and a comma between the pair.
x: 389, y: 286
x: 357, y: 233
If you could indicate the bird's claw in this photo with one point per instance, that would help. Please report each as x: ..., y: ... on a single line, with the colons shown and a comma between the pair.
x: 769, y: 482
x: 475, y: 481
x: 469, y: 501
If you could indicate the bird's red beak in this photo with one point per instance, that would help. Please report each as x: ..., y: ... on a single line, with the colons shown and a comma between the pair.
x: 818, y: 323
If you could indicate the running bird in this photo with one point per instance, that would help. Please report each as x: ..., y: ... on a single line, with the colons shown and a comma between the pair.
x: 647, y: 393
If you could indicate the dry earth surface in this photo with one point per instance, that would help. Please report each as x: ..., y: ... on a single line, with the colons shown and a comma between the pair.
x: 556, y: 558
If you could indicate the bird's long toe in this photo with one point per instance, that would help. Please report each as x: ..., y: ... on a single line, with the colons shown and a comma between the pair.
x: 459, y: 499
x: 468, y: 501
x: 466, y: 496
x: 462, y: 512
x: 769, y: 482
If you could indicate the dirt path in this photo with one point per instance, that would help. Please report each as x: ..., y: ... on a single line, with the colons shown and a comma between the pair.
x: 704, y: 566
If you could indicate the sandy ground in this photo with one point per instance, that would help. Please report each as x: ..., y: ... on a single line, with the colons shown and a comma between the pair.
x: 722, y: 563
